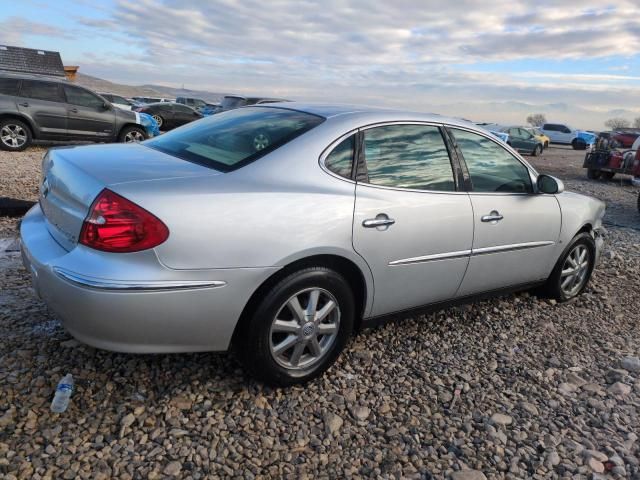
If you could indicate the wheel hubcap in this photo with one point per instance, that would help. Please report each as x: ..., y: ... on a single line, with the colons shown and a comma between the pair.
x: 13, y: 136
x: 134, y: 136
x: 304, y: 329
x: 574, y: 270
x: 158, y: 120
x: 261, y: 141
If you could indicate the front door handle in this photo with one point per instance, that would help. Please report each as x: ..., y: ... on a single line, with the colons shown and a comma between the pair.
x: 24, y: 104
x: 493, y: 218
x: 381, y: 220
x: 73, y: 110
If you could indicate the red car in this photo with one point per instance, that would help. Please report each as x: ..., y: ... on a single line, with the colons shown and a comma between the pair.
x: 626, y: 138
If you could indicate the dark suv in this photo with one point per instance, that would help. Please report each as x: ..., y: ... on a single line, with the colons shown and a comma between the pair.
x: 44, y: 108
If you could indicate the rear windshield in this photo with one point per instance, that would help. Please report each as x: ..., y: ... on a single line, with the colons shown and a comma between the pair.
x: 229, y: 140
x: 232, y: 102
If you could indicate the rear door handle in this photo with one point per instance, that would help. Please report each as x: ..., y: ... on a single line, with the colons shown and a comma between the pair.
x: 24, y: 104
x: 381, y: 220
x: 494, y: 217
x: 73, y: 110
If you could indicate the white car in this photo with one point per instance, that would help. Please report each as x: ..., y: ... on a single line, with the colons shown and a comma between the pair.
x: 564, y: 134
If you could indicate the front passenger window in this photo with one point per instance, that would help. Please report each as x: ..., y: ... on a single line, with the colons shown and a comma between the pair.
x: 82, y: 98
x: 491, y: 167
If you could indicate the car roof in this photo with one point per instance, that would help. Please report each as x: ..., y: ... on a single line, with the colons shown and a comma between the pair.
x: 363, y: 113
x: 32, y: 76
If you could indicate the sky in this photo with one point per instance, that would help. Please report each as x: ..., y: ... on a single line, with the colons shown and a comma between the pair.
x: 577, y: 61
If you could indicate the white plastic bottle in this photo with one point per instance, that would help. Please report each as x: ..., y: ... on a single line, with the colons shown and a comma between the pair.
x: 60, y: 400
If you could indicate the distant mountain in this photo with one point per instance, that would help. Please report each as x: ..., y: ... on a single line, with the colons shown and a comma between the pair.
x: 99, y: 85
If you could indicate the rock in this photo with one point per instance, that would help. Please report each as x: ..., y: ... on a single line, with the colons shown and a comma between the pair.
x: 384, y: 408
x: 576, y: 380
x: 361, y: 413
x: 595, y: 465
x: 530, y: 408
x: 127, y: 420
x: 182, y: 403
x: 601, y: 457
x: 619, y: 389
x: 567, y: 388
x: 501, y: 419
x: 615, y: 375
x: 468, y: 475
x: 172, y: 469
x: 71, y: 343
x: 7, y: 418
x: 592, y: 388
x: 631, y: 364
x: 553, y: 458
x: 332, y: 422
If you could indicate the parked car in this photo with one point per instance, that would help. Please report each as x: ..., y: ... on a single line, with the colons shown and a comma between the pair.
x: 34, y: 107
x: 229, y: 102
x: 541, y: 137
x: 147, y: 100
x: 282, y: 230
x: 563, y: 134
x: 118, y: 101
x: 170, y: 115
x: 519, y: 138
x: 625, y: 138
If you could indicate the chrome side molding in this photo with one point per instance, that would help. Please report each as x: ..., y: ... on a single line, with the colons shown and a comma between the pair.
x: 135, y: 285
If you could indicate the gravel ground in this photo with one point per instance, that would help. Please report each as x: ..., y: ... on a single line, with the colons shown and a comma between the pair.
x: 515, y: 387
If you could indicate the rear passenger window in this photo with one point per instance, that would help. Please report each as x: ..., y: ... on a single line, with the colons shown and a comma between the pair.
x: 408, y: 156
x: 340, y: 160
x: 41, y: 90
x: 491, y: 167
x: 8, y: 86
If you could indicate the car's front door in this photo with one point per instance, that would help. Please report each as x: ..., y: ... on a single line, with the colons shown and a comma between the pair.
x: 44, y: 103
x: 183, y: 114
x: 515, y: 229
x: 88, y: 115
x: 516, y: 140
x: 411, y: 224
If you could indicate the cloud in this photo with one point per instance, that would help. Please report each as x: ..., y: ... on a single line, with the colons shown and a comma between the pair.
x: 14, y: 30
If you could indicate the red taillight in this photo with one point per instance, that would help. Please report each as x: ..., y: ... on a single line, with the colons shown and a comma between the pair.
x: 115, y: 224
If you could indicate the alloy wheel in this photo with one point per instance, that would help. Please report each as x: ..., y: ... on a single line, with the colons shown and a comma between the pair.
x: 13, y: 136
x: 158, y: 120
x: 575, y: 270
x: 133, y: 136
x: 304, y: 329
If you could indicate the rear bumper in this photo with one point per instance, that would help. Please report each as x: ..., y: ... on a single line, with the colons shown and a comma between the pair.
x: 148, y: 309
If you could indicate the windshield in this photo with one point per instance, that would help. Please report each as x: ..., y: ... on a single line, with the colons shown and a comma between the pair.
x: 230, y: 140
x: 232, y: 102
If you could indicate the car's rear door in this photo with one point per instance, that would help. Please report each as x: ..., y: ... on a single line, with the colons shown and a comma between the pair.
x: 44, y: 103
x: 515, y: 229
x: 88, y: 115
x: 183, y: 114
x: 412, y: 224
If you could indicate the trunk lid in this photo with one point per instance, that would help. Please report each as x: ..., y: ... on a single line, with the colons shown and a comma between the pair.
x: 74, y: 176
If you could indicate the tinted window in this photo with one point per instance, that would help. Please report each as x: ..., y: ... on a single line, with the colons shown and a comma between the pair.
x: 41, y: 90
x: 408, y: 156
x: 182, y: 109
x: 8, y: 86
x: 82, y: 97
x: 120, y: 100
x: 233, y: 102
x: 230, y: 140
x: 491, y: 167
x: 340, y: 160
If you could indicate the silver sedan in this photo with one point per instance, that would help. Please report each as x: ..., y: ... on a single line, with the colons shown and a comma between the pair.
x: 281, y: 229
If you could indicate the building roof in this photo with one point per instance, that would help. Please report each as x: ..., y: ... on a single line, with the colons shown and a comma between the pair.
x: 29, y: 60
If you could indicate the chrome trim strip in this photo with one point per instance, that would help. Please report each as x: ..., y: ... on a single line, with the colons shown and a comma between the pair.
x: 431, y: 258
x: 135, y: 285
x: 507, y: 248
x: 468, y: 253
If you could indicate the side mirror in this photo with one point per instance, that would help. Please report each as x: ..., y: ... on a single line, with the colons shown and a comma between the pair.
x: 550, y: 185
x: 106, y: 106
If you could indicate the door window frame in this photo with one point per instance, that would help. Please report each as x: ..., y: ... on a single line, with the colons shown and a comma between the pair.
x: 533, y: 174
x: 359, y: 172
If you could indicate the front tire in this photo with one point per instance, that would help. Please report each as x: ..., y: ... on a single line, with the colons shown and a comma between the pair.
x: 15, y: 135
x: 298, y: 330
x: 608, y: 175
x: 132, y: 135
x: 537, y: 151
x: 573, y: 270
x: 579, y: 144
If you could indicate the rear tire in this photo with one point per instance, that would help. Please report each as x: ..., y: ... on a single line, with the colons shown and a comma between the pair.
x: 132, y: 135
x: 579, y: 144
x: 159, y: 120
x: 15, y: 135
x: 282, y: 343
x: 607, y: 175
x: 573, y: 270
x: 593, y: 174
